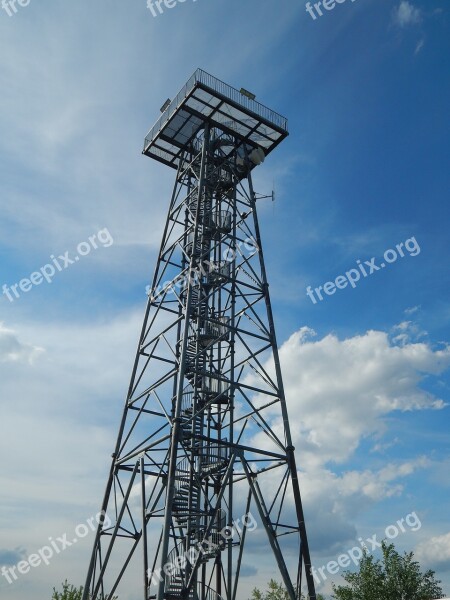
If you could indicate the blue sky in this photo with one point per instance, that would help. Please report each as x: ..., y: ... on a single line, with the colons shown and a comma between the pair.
x: 366, y: 90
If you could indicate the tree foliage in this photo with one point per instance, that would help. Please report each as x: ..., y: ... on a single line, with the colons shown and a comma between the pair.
x: 69, y: 592
x: 395, y: 577
x: 275, y: 591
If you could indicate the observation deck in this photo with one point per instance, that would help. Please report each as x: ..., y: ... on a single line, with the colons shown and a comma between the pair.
x: 206, y: 99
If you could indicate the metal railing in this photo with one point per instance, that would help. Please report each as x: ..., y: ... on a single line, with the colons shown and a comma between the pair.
x: 214, y: 457
x: 235, y: 95
x: 213, y: 329
x: 220, y: 220
x: 213, y: 385
x: 218, y: 86
x: 219, y: 271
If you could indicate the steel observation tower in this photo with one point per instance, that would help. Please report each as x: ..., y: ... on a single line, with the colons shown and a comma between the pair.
x: 203, y: 475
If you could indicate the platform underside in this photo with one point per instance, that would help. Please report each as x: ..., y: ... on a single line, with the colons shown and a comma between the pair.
x: 207, y: 99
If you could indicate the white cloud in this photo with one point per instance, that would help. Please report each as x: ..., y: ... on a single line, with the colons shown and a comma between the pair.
x: 66, y: 406
x: 13, y: 350
x: 406, y: 14
x: 420, y: 45
x: 334, y: 502
x: 60, y: 417
x: 380, y: 447
x: 382, y: 484
x: 435, y: 552
x: 407, y: 332
x: 339, y: 391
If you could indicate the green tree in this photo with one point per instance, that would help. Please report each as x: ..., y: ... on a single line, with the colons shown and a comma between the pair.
x: 69, y: 592
x: 275, y: 591
x: 394, y: 577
